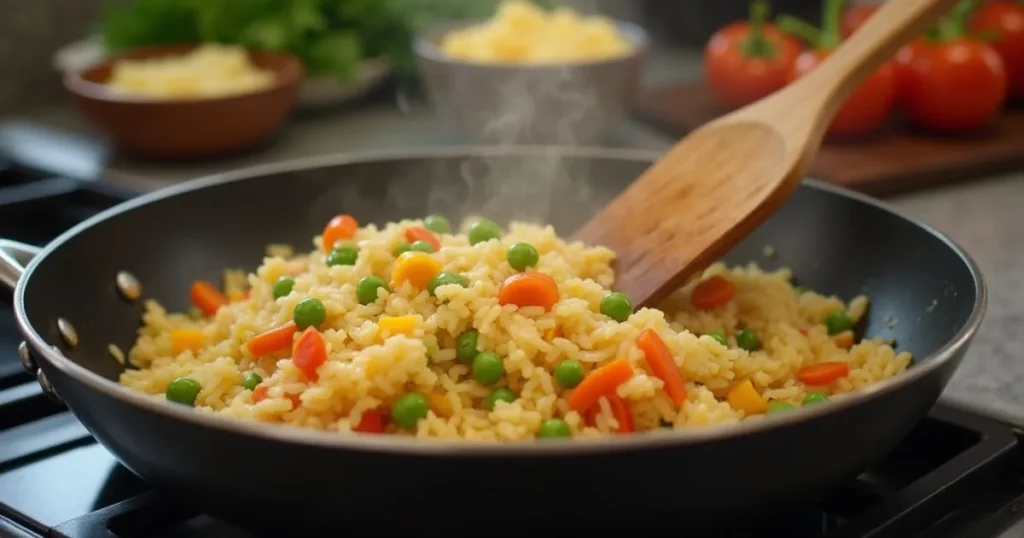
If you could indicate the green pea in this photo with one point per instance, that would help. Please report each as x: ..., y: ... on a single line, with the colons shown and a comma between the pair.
x: 487, y: 367
x: 522, y: 255
x: 366, y: 289
x: 569, y: 373
x: 310, y: 312
x: 283, y: 287
x: 343, y: 256
x: 465, y: 346
x: 616, y: 306
x: 444, y: 279
x: 402, y: 248
x: 719, y: 337
x: 483, y: 230
x: 800, y: 290
x: 837, y: 322
x: 437, y: 224
x: 409, y: 409
x: 554, y: 428
x: 502, y: 394
x: 815, y: 398
x: 748, y: 340
x: 183, y: 390
x: 422, y: 246
x: 779, y: 407
x: 251, y: 380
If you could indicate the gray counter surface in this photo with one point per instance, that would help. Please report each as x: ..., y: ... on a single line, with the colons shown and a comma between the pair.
x: 985, y: 215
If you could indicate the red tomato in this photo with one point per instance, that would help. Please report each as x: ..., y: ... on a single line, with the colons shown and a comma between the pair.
x: 868, y: 108
x: 736, y: 76
x: 855, y: 17
x: 952, y: 85
x: 1005, y: 20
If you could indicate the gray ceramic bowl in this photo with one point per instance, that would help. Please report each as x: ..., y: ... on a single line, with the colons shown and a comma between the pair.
x: 574, y: 103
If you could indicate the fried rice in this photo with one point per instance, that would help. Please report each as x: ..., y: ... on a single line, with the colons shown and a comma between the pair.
x: 400, y: 365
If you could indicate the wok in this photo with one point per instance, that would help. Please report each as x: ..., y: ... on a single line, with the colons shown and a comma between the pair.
x: 287, y: 480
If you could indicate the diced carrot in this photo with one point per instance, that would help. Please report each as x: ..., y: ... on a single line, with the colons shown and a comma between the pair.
x: 371, y: 422
x: 295, y: 399
x: 843, y: 339
x: 339, y: 228
x: 712, y: 293
x: 417, y: 268
x: 182, y: 339
x: 551, y: 334
x: 620, y: 411
x: 744, y: 396
x: 823, y: 373
x: 529, y: 289
x: 416, y: 233
x: 662, y: 365
x: 276, y: 339
x: 802, y: 331
x: 259, y: 393
x: 601, y: 382
x: 309, y: 352
x: 206, y: 297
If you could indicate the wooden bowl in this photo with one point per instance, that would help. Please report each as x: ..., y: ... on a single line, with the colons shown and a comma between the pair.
x: 186, y: 128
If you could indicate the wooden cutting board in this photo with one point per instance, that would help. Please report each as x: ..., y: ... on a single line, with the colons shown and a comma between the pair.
x: 897, y: 159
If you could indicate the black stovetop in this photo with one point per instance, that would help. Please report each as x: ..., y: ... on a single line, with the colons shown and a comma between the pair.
x: 959, y: 474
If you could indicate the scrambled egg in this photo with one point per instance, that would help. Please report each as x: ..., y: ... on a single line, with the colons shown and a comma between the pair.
x: 522, y: 33
x: 208, y: 71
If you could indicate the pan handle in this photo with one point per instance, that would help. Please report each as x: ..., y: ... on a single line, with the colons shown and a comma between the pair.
x: 14, y: 256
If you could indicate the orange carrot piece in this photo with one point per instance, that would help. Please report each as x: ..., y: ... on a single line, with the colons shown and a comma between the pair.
x: 206, y: 297
x: 273, y: 340
x: 259, y: 393
x: 712, y: 293
x: 823, y: 373
x: 372, y: 421
x: 339, y: 228
x: 529, y: 289
x: 620, y: 411
x: 309, y: 352
x: 662, y: 365
x: 601, y: 382
x: 295, y: 399
x: 416, y: 233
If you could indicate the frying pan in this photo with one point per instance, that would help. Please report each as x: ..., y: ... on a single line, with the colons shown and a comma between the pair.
x: 292, y: 481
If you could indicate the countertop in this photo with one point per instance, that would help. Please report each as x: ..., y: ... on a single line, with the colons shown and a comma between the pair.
x: 984, y: 215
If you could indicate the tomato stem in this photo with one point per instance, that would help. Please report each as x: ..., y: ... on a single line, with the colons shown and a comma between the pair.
x: 799, y: 28
x: 831, y: 24
x: 954, y: 24
x: 757, y: 44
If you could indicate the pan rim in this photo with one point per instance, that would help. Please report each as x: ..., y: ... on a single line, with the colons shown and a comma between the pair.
x: 394, y: 445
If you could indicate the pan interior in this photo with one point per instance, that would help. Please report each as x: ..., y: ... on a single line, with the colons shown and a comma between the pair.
x: 923, y: 292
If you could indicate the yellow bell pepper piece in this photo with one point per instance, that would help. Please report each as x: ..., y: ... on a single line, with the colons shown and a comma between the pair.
x: 440, y: 405
x: 843, y: 339
x: 418, y: 268
x: 397, y: 324
x: 745, y: 397
x: 190, y: 339
x: 551, y: 334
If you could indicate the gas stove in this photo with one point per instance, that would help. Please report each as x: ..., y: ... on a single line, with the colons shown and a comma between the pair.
x: 959, y: 474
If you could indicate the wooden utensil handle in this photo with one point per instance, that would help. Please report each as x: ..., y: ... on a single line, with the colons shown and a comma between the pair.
x: 895, y: 23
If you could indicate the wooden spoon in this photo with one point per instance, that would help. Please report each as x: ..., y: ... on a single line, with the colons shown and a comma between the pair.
x: 719, y: 183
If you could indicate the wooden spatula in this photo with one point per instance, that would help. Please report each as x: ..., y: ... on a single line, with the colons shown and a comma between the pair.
x: 719, y: 183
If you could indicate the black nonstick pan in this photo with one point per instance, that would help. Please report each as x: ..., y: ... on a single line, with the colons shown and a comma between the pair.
x: 290, y: 482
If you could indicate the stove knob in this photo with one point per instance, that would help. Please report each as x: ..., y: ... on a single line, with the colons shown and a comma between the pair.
x: 48, y: 389
x: 26, y: 358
